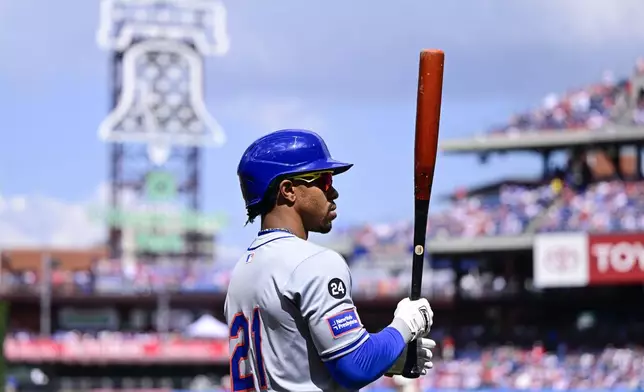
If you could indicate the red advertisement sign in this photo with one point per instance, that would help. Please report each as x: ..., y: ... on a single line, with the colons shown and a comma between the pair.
x: 580, y: 259
x: 616, y: 258
x: 114, y: 350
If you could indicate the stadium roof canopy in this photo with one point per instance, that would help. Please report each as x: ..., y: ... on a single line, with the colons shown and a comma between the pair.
x: 540, y: 140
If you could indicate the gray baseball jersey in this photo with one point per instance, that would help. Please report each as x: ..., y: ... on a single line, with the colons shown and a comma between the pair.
x: 289, y: 308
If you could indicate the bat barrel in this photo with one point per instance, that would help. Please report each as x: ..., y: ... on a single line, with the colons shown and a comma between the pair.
x: 428, y: 108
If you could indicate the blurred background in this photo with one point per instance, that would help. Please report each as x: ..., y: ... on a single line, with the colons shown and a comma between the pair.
x: 120, y: 212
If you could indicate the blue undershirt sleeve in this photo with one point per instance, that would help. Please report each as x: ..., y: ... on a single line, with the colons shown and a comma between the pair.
x: 369, y: 361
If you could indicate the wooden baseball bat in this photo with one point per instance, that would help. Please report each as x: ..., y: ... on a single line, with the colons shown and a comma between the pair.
x: 428, y: 109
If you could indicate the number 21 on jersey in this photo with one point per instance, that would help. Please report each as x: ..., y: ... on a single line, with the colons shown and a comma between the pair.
x: 243, y: 331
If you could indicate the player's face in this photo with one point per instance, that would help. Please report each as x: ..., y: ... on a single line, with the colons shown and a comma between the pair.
x: 316, y: 202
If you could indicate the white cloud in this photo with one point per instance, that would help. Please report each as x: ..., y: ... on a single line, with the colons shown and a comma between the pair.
x: 38, y: 221
x: 43, y: 221
x: 594, y: 22
x: 30, y: 221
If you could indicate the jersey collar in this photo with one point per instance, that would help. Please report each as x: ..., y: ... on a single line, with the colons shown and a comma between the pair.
x: 265, y: 237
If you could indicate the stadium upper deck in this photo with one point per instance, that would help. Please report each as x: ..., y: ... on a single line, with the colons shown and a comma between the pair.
x: 602, y: 113
x: 598, y: 190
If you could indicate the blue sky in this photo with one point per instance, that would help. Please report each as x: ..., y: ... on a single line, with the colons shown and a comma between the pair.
x: 345, y: 69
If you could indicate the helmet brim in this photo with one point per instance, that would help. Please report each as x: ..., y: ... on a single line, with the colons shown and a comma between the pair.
x: 326, y: 164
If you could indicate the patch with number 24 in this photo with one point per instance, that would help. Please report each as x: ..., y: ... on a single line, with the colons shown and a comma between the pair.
x: 337, y: 288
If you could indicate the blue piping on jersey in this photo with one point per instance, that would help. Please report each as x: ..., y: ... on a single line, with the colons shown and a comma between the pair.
x: 369, y: 361
x: 269, y: 241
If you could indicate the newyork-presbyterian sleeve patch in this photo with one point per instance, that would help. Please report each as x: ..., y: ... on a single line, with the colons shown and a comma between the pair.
x: 343, y: 322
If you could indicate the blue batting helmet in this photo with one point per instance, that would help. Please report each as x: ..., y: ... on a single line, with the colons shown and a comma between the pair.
x: 279, y: 154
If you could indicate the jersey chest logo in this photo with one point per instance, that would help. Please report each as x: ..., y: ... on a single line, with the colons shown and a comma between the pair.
x: 250, y: 256
x: 343, y: 322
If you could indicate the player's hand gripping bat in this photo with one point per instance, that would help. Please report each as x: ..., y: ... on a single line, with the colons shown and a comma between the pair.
x: 428, y: 108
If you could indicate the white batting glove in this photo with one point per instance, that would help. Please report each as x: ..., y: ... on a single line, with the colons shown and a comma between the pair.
x: 425, y: 347
x: 417, y: 315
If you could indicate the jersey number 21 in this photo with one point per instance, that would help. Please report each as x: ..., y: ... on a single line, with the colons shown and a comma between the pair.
x: 240, y: 326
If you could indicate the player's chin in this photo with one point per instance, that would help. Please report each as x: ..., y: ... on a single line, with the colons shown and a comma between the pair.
x: 325, y: 227
x: 324, y: 230
x: 326, y: 223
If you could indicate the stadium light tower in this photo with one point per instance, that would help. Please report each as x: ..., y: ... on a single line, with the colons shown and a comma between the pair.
x: 159, y: 123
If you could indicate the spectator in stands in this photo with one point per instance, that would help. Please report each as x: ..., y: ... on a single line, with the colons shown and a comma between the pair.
x: 509, y: 213
x: 603, y: 207
x: 586, y: 108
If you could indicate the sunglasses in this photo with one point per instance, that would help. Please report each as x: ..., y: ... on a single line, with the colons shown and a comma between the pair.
x: 322, y: 179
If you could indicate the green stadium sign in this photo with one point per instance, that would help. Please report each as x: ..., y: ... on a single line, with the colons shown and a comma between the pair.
x: 160, y: 232
x: 158, y: 229
x: 162, y: 220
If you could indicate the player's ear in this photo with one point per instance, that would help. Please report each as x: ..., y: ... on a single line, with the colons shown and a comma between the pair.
x: 286, y: 191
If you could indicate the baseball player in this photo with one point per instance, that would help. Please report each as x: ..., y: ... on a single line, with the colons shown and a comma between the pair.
x: 293, y: 324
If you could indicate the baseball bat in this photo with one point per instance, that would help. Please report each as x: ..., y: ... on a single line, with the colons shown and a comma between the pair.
x: 428, y: 108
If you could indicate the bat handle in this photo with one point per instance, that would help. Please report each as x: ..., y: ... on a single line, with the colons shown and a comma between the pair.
x: 411, y: 368
x: 421, y: 211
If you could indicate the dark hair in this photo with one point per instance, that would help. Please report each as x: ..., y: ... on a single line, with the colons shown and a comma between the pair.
x: 265, y: 206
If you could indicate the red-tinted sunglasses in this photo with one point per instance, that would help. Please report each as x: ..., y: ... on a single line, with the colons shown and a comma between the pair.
x: 322, y: 179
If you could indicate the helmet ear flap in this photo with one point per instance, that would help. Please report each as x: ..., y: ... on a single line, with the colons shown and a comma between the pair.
x: 264, y: 205
x: 244, y: 184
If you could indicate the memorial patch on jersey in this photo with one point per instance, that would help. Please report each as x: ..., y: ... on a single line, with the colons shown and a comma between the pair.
x: 343, y: 322
x: 337, y: 288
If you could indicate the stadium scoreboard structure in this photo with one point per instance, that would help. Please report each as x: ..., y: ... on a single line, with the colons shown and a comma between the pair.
x: 159, y: 124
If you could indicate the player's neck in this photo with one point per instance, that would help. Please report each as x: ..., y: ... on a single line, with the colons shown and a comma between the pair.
x: 277, y: 222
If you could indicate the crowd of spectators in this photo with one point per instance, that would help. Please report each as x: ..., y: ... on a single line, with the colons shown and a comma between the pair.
x: 510, y: 368
x: 37, y: 381
x: 605, y: 206
x: 116, y: 277
x: 602, y: 207
x: 370, y: 280
x: 505, y: 213
x: 502, y: 368
x: 584, y: 108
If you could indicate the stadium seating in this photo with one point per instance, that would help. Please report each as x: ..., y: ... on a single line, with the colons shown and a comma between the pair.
x: 507, y: 213
x: 511, y: 369
x: 602, y: 207
x: 586, y: 108
x: 498, y: 368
